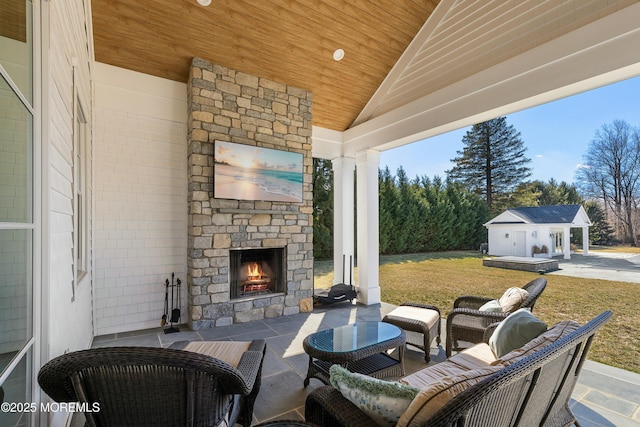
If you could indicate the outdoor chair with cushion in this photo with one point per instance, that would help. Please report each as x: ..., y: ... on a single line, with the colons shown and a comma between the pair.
x: 471, y: 315
x: 146, y: 386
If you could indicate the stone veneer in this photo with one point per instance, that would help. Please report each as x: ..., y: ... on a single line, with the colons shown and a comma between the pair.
x: 229, y: 105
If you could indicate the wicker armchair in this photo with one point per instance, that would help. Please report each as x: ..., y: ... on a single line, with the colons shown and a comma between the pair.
x: 466, y: 323
x: 144, y: 386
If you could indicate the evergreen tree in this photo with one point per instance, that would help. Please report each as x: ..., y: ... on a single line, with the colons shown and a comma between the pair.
x: 322, y: 209
x: 387, y: 210
x: 492, y: 162
x: 601, y: 232
x: 539, y: 193
x: 422, y: 215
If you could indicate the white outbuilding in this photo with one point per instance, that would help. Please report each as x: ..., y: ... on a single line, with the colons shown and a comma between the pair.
x: 541, y: 231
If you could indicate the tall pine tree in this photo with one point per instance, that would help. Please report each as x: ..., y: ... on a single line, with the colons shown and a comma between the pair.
x: 492, y: 163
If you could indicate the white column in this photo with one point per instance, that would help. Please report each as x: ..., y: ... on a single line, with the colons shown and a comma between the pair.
x: 343, y: 213
x: 585, y: 240
x: 566, y: 243
x: 368, y: 245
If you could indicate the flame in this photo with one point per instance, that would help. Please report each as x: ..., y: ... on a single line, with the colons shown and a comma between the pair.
x: 254, y: 271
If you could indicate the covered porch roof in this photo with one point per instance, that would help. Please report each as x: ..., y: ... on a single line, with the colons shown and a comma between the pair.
x: 412, y: 68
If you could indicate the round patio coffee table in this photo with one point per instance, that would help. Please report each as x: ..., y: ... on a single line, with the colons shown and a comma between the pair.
x: 360, y: 347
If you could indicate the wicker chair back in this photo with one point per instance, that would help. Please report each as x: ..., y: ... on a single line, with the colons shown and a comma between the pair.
x: 144, y: 386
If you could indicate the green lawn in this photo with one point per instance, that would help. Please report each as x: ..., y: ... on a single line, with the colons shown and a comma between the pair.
x: 439, y: 278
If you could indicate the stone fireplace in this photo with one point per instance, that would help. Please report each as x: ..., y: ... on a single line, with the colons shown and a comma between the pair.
x: 227, y: 236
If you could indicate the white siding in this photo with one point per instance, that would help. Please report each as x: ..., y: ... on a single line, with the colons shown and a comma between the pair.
x: 141, y: 197
x: 69, y: 321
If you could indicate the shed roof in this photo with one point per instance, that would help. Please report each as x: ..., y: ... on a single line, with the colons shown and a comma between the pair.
x: 552, y: 214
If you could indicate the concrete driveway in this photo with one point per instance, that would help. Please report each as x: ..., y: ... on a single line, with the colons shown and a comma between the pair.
x: 623, y: 267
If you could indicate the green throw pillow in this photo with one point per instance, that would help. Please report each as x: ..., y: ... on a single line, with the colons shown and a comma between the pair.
x: 492, y: 306
x: 383, y: 401
x: 516, y: 330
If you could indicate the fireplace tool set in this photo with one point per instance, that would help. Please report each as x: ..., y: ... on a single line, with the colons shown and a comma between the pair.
x: 174, y: 315
x: 340, y: 292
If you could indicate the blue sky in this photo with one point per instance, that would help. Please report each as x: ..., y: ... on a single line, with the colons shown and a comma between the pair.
x: 556, y: 134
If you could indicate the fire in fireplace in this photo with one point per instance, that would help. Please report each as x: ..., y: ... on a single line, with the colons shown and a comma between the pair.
x: 256, y: 271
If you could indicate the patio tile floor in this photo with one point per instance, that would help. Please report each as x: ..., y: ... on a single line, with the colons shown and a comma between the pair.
x: 604, y: 396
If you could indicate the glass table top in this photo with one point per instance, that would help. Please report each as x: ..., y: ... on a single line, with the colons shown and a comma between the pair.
x: 353, y: 337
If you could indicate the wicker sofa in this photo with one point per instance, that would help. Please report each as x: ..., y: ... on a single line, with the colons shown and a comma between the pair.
x: 530, y: 385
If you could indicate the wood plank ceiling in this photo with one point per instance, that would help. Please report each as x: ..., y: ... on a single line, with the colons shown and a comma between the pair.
x: 290, y: 41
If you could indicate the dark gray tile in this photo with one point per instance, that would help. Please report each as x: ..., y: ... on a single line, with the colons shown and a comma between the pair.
x: 146, y: 331
x: 611, y: 402
x: 587, y: 417
x: 294, y: 415
x: 299, y: 363
x: 254, y: 335
x: 594, y: 416
x: 610, y: 385
x: 101, y: 338
x: 295, y: 318
x: 212, y: 334
x: 279, y: 395
x: 286, y: 327
x: 184, y: 335
x: 282, y: 344
x: 150, y: 340
x: 273, y: 364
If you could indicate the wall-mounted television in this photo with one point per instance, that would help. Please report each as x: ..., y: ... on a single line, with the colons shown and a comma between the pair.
x: 245, y: 172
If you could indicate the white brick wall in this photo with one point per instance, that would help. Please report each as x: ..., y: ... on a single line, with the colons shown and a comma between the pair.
x: 141, y: 217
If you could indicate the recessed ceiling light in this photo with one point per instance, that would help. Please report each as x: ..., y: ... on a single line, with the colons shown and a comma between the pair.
x: 204, y: 2
x: 338, y: 54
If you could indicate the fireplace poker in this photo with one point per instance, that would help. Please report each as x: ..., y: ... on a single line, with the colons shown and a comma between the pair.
x: 163, y: 321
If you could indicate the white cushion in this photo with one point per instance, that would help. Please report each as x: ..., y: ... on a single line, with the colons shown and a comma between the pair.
x: 515, y: 331
x: 383, y: 401
x: 425, y: 315
x: 492, y: 306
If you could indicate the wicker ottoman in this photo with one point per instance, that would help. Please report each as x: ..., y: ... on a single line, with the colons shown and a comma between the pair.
x: 421, y: 323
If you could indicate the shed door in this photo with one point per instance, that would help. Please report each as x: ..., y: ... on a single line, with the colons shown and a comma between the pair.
x: 519, y: 247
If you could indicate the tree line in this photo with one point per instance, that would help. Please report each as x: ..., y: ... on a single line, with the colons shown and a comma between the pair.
x: 490, y: 175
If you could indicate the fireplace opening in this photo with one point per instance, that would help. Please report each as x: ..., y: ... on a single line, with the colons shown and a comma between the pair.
x: 256, y: 272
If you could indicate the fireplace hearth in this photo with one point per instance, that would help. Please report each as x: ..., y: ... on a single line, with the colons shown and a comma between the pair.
x: 256, y: 272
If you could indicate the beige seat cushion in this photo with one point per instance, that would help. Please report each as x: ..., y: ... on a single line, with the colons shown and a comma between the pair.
x: 227, y: 351
x: 552, y: 334
x: 424, y: 378
x: 512, y: 299
x: 474, y: 357
x: 440, y: 391
x: 425, y: 315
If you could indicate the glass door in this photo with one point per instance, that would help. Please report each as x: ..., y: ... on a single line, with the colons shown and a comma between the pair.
x: 17, y: 225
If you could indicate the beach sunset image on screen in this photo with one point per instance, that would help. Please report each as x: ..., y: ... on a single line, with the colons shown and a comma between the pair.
x: 245, y: 172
